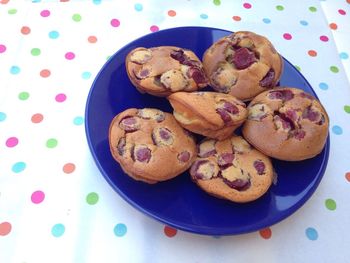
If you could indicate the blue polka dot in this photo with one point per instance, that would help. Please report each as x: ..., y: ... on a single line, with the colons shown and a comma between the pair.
x: 120, y: 230
x: 97, y: 2
x: 86, y: 75
x: 15, y: 70
x: 266, y: 20
x: 57, y: 230
x: 78, y: 120
x: 311, y: 233
x: 138, y: 7
x: 2, y: 116
x: 343, y: 55
x: 303, y: 23
x: 54, y: 34
x: 337, y: 130
x: 18, y: 167
x: 203, y: 16
x: 323, y: 86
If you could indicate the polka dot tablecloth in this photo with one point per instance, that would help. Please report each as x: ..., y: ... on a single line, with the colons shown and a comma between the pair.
x: 55, y: 206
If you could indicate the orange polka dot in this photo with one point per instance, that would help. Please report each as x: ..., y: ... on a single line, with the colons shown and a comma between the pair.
x: 347, y: 176
x: 236, y: 18
x: 171, y: 13
x: 312, y: 53
x: 25, y: 30
x: 68, y: 168
x: 4, y: 2
x: 5, y: 228
x: 37, y: 118
x: 333, y: 26
x: 92, y: 39
x: 45, y: 73
x: 348, y: 1
x: 265, y: 233
x: 169, y: 231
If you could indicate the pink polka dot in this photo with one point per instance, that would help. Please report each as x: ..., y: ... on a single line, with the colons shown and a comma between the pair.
x: 61, y: 97
x: 247, y: 5
x: 37, y: 197
x: 287, y: 36
x: 115, y: 22
x: 342, y: 12
x: 154, y: 28
x: 11, y: 142
x: 45, y: 13
x: 2, y: 48
x: 324, y: 38
x: 69, y: 55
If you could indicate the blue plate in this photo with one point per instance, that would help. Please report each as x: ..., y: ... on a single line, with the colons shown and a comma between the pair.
x: 179, y: 202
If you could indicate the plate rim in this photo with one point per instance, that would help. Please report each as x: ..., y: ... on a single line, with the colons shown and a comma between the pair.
x: 185, y: 227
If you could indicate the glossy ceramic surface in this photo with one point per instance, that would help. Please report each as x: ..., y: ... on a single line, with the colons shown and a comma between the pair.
x: 179, y: 202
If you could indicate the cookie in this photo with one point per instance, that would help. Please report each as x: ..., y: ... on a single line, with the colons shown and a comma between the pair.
x: 150, y: 145
x: 242, y: 64
x: 231, y: 169
x: 287, y: 124
x: 163, y: 70
x: 211, y: 114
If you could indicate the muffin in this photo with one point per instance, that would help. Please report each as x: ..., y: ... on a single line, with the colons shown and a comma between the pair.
x: 163, y: 70
x: 145, y: 141
x: 287, y: 124
x: 231, y: 169
x: 242, y: 64
x: 211, y: 114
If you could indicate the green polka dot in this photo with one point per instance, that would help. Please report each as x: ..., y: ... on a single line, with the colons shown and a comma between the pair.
x: 51, y: 143
x: 330, y: 204
x: 35, y: 51
x: 312, y: 9
x: 12, y: 11
x: 297, y: 67
x: 334, y: 69
x: 23, y: 95
x: 92, y: 198
x: 76, y: 17
x: 347, y: 108
x: 279, y: 7
x: 217, y: 2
